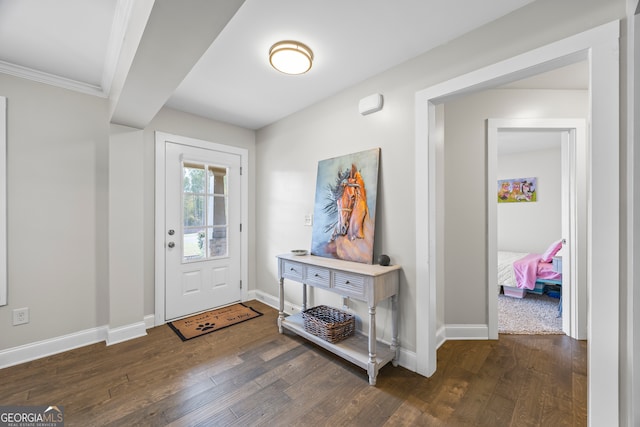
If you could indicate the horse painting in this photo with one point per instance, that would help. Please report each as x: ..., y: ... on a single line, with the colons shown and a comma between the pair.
x: 352, y: 206
x: 346, y: 220
x: 344, y: 205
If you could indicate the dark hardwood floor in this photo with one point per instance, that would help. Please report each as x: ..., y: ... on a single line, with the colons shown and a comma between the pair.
x: 249, y: 374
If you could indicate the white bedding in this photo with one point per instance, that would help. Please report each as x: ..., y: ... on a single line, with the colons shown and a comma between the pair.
x: 506, y: 276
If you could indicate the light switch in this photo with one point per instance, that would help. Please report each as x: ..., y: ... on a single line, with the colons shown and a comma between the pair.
x: 308, y: 220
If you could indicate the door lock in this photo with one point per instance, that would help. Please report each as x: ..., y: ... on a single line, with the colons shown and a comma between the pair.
x: 171, y: 244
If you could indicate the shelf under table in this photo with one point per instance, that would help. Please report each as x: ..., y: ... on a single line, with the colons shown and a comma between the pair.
x: 354, y: 349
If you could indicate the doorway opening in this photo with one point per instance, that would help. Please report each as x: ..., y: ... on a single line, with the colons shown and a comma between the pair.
x: 603, y: 195
x: 569, y: 207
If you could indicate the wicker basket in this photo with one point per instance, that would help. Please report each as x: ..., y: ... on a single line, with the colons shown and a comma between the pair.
x: 329, y: 323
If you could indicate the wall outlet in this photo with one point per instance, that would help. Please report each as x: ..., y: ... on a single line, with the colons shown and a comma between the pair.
x: 20, y: 316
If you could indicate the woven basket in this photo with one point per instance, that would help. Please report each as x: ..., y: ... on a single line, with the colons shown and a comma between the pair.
x: 329, y: 323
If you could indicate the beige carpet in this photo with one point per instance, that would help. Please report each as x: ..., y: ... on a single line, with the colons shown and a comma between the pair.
x: 531, y: 315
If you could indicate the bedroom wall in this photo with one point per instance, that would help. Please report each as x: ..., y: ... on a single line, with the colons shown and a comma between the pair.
x: 288, y: 152
x: 465, y: 172
x: 531, y: 227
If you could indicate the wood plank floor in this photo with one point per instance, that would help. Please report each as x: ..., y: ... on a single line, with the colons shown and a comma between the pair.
x: 249, y: 374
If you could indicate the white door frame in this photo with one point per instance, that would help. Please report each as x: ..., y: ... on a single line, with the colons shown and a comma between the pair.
x: 600, y: 46
x: 161, y: 140
x: 631, y: 385
x: 574, y: 177
x: 3, y: 201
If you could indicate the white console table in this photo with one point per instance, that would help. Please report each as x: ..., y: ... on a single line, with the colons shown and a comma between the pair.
x: 363, y: 282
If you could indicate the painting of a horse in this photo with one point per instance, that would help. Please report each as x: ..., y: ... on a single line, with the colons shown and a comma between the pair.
x: 352, y: 206
x: 345, y: 207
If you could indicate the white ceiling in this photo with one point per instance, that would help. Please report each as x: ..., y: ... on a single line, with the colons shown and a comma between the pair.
x: 76, y: 43
x: 66, y: 41
x: 351, y: 41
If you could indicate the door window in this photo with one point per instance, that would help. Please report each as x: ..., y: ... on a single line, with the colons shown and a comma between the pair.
x: 205, y: 213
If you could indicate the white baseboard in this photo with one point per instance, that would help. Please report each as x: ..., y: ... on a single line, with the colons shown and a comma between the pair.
x: 150, y: 321
x: 252, y: 295
x: 466, y: 332
x: 37, y: 350
x: 274, y: 302
x: 126, y: 333
x: 25, y: 353
x: 441, y: 336
x: 408, y: 359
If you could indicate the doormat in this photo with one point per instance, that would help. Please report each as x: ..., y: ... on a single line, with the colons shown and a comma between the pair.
x: 213, y: 320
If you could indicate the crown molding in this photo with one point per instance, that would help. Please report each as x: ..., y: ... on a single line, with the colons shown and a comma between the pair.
x: 116, y: 39
x: 51, y: 79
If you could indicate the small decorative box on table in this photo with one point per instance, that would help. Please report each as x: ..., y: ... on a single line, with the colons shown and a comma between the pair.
x: 362, y: 282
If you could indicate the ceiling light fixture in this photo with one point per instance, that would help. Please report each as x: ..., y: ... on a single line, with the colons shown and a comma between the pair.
x: 291, y: 57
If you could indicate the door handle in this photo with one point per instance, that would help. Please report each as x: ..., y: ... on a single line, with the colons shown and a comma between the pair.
x: 171, y: 244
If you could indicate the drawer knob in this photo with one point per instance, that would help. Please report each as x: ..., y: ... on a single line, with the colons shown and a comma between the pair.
x: 292, y: 269
x: 347, y: 282
x: 317, y: 275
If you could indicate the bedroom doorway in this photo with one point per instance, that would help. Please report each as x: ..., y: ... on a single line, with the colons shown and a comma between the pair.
x: 523, y: 135
x: 603, y: 242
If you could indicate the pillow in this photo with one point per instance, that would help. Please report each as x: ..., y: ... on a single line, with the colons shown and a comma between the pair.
x: 551, y: 251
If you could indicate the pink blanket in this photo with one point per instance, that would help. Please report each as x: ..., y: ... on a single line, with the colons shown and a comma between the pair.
x: 529, y: 268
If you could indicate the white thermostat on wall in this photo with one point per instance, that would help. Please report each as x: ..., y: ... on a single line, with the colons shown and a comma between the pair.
x: 370, y: 104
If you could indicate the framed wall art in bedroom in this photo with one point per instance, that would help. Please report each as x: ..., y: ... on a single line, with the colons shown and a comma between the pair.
x: 517, y: 190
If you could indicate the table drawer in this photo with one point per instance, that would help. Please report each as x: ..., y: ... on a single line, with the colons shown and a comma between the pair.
x: 317, y: 276
x: 350, y: 284
x: 293, y: 271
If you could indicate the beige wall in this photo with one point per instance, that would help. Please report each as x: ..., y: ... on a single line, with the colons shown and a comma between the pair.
x: 464, y: 186
x: 58, y: 178
x: 288, y: 152
x: 126, y: 225
x: 287, y: 158
x: 57, y: 211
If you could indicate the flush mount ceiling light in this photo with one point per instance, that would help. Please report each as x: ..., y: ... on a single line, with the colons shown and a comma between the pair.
x: 291, y: 57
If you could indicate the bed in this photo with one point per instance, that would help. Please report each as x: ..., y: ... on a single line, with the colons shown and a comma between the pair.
x: 519, y: 272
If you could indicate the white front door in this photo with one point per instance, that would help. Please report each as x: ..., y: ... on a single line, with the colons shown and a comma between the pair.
x: 202, y: 219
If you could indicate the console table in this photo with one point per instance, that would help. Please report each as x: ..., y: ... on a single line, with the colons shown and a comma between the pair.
x: 363, y: 282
